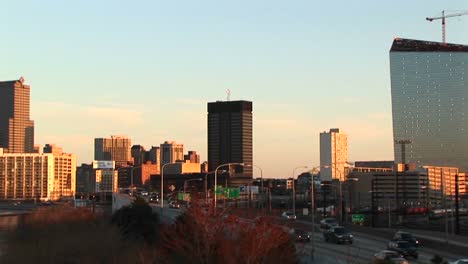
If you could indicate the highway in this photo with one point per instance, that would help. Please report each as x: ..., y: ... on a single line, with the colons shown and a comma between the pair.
x: 361, y: 251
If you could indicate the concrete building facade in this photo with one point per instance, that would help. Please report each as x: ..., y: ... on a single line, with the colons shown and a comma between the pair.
x: 116, y: 148
x: 192, y: 156
x: 16, y: 127
x: 230, y: 138
x: 26, y: 176
x: 333, y: 155
x: 170, y: 152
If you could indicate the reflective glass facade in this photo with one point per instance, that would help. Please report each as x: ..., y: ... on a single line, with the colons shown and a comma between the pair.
x: 430, y: 102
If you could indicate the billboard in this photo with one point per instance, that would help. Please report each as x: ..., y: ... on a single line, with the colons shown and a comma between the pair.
x: 103, y: 164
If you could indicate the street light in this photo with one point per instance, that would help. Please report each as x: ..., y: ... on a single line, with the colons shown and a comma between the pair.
x: 312, y: 194
x: 206, y: 183
x: 261, y: 176
x: 162, y: 183
x: 216, y: 177
x: 294, y: 188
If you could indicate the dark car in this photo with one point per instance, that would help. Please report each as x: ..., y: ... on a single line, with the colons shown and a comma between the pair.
x: 405, y: 248
x: 326, y: 223
x: 406, y: 236
x: 154, y: 199
x: 301, y: 235
x: 388, y: 256
x: 174, y: 204
x: 338, y: 234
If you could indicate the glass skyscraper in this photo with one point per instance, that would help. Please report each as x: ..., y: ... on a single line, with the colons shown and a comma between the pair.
x: 430, y: 102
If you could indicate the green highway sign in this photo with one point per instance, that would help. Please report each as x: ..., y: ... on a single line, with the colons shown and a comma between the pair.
x: 357, y: 218
x: 227, y: 192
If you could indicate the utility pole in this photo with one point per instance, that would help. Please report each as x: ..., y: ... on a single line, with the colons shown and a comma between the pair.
x: 457, y: 212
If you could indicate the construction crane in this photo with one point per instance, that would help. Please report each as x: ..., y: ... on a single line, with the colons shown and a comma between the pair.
x: 443, y: 17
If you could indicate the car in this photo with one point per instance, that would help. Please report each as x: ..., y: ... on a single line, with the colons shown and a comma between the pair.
x: 144, y: 193
x: 405, y: 248
x: 301, y: 235
x: 174, y: 204
x: 406, y: 236
x: 388, y: 256
x: 338, y: 234
x: 326, y: 223
x: 154, y: 199
x: 460, y: 261
x: 288, y: 216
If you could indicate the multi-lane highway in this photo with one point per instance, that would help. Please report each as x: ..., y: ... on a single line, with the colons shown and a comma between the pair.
x: 361, y: 251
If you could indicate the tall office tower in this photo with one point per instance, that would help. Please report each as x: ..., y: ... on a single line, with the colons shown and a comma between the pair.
x: 116, y: 148
x: 430, y: 102
x: 230, y: 136
x: 171, y: 152
x: 192, y: 156
x: 154, y: 155
x: 333, y: 154
x: 138, y: 155
x: 16, y: 128
x: 47, y: 176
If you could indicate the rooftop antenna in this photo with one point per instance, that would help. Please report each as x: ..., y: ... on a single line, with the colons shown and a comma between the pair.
x: 228, y: 94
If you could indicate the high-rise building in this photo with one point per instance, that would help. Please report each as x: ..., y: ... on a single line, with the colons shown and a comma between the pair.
x: 154, y: 155
x: 430, y: 102
x: 16, y: 128
x: 192, y: 156
x: 230, y: 137
x: 116, y: 148
x: 47, y: 176
x: 333, y: 155
x: 171, y: 152
x: 138, y: 155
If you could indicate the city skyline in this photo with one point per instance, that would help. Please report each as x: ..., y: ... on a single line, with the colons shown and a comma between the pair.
x: 88, y: 70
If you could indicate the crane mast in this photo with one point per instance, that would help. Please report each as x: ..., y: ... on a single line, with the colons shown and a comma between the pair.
x: 443, y: 17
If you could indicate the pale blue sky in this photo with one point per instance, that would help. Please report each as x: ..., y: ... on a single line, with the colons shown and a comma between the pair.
x: 147, y: 69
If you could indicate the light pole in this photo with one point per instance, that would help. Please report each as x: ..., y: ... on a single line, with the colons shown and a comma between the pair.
x: 261, y: 177
x: 162, y: 183
x: 294, y: 188
x: 216, y: 178
x: 312, y: 211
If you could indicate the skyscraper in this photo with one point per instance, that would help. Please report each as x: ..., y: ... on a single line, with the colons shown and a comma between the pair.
x: 230, y: 135
x: 138, y: 155
x: 333, y: 154
x: 116, y: 148
x: 430, y: 102
x: 16, y: 128
x: 171, y: 152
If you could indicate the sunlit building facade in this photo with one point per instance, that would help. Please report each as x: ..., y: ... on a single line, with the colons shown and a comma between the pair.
x: 116, y: 148
x: 333, y: 154
x: 27, y: 176
x: 430, y: 102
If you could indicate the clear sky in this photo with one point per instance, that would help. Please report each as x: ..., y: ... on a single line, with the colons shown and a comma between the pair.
x: 146, y: 69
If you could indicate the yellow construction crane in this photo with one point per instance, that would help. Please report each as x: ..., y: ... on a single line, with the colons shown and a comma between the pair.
x: 443, y: 17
